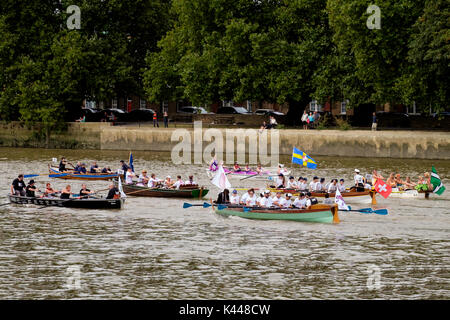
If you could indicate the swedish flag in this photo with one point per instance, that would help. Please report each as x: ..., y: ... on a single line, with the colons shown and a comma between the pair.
x: 303, y: 159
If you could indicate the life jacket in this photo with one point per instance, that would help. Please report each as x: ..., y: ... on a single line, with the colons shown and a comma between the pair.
x: 154, y: 116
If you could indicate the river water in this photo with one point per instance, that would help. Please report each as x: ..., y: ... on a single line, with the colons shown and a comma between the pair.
x: 155, y: 249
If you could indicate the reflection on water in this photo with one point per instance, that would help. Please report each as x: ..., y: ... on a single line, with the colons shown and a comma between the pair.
x: 155, y: 249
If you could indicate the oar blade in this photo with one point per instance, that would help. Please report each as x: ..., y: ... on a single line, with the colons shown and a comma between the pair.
x: 206, y: 205
x: 31, y: 175
x: 186, y: 205
x: 246, y: 209
x: 366, y: 210
x: 382, y: 212
x: 221, y: 207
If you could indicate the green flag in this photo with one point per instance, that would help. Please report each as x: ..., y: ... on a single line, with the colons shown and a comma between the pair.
x: 438, y: 187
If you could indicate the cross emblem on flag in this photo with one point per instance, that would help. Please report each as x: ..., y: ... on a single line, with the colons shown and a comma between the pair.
x: 382, y: 188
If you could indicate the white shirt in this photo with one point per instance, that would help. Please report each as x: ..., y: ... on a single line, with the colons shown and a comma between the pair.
x: 177, y: 184
x: 292, y: 184
x: 307, y: 203
x: 279, y: 182
x: 285, y: 203
x: 244, y: 198
x: 332, y: 188
x: 312, y: 186
x: 300, y: 203
x: 341, y: 187
x: 276, y: 200
x: 152, y: 182
x: 265, y: 202
x: 190, y: 182
x: 142, y: 177
x: 251, y: 201
x: 304, y: 117
x: 318, y: 187
x: 303, y: 186
x: 234, y: 199
x: 358, y: 178
x: 129, y: 178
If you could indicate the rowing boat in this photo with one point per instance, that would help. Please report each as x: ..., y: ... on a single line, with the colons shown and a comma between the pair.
x: 70, y: 203
x: 366, y: 196
x: 82, y: 176
x: 397, y: 193
x: 318, y: 213
x: 183, y: 192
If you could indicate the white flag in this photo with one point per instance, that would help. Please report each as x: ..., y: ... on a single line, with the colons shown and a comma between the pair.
x: 122, y: 194
x: 339, y: 200
x: 220, y: 179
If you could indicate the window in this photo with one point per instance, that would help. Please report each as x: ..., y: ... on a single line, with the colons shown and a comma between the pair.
x: 165, y: 106
x: 412, y: 109
x: 344, y: 106
x: 142, y: 103
x: 227, y: 103
x: 114, y: 103
x: 314, y: 106
x: 249, y: 105
x: 90, y: 104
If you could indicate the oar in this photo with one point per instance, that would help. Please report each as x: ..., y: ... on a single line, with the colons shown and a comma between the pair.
x: 188, y: 205
x: 51, y: 175
x: 4, y: 204
x: 253, y: 175
x: 369, y: 210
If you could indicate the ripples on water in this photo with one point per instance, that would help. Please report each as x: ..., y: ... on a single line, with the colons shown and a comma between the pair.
x: 154, y: 249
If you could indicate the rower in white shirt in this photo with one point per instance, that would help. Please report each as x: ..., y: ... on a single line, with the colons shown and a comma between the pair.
x: 333, y: 186
x: 359, y: 181
x: 312, y: 185
x: 168, y: 182
x: 129, y: 176
x: 190, y: 181
x: 251, y: 198
x: 300, y: 202
x: 341, y: 186
x: 276, y: 199
x: 286, y: 202
x: 280, y: 182
x: 266, y: 201
x: 153, y: 181
x: 320, y: 185
x: 234, y: 197
x: 303, y: 184
x: 292, y: 184
x: 178, y: 183
x: 143, y: 178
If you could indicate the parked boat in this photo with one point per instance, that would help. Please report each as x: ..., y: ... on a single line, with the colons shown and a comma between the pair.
x: 318, y: 213
x: 89, y: 203
x: 190, y: 191
x: 367, y: 196
x: 82, y: 176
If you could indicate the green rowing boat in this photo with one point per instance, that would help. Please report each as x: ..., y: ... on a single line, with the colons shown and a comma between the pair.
x: 318, y: 213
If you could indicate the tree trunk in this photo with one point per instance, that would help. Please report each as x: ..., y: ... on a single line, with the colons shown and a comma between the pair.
x: 47, y: 137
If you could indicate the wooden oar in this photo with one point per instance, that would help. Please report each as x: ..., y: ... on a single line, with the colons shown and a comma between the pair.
x: 4, y: 204
x: 253, y: 175
x: 188, y: 205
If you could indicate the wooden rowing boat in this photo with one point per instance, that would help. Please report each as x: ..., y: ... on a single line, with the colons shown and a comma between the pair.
x: 70, y: 203
x: 318, y: 213
x: 82, y: 176
x: 367, y: 196
x: 397, y: 193
x: 183, y: 192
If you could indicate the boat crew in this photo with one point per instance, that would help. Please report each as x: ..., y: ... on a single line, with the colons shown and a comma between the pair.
x: 94, y: 167
x: 286, y: 202
x: 191, y: 181
x: 281, y: 181
x: 236, y: 167
x: 376, y: 176
x: 300, y: 202
x: 341, y: 186
x: 333, y: 186
x: 303, y: 185
x: 223, y: 197
x: 310, y: 200
x: 320, y: 185
x: 277, y: 198
x: 31, y: 189
x: 312, y: 185
x: 266, y: 200
x: 409, y: 185
x: 18, y: 186
x: 234, y: 198
x: 250, y: 200
x: 83, y: 170
x: 179, y: 183
x: 167, y: 182
x: 391, y: 181
x: 129, y: 176
x: 247, y: 168
x: 65, y: 193
x: 259, y: 169
x: 281, y: 169
x: 49, y: 191
x: 153, y: 181
x: 123, y: 166
x: 143, y: 179
x: 292, y: 184
x: 85, y: 192
x: 113, y: 192
x: 62, y: 165
x: 359, y: 181
x: 328, y: 200
x: 106, y: 170
x: 77, y: 167
x: 398, y: 180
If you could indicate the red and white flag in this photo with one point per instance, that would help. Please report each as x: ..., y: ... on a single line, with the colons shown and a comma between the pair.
x: 382, y: 188
x: 220, y: 179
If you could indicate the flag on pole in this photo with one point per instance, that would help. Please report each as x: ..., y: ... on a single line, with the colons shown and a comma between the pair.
x: 339, y: 200
x: 131, y: 162
x: 435, y: 180
x: 301, y: 158
x: 220, y: 179
x: 122, y: 194
x: 382, y: 188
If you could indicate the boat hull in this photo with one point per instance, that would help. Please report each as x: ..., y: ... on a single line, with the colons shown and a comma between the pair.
x: 317, y: 213
x: 86, y: 176
x: 70, y: 203
x: 139, y: 191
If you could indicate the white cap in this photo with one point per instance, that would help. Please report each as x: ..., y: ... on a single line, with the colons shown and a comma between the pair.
x: 169, y: 177
x: 288, y: 195
x: 356, y: 170
x: 266, y: 191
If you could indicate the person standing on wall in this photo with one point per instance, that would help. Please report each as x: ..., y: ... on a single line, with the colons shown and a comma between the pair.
x: 155, y: 120
x: 166, y: 120
x: 374, y: 122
